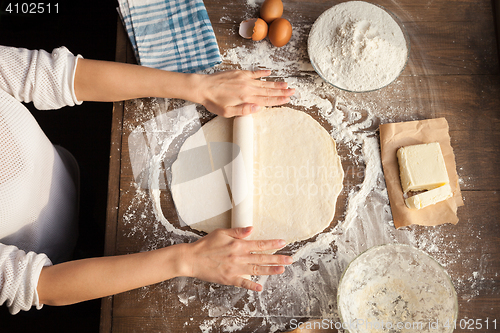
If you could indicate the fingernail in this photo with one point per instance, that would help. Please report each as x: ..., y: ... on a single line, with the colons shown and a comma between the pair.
x: 281, y: 242
x: 255, y: 108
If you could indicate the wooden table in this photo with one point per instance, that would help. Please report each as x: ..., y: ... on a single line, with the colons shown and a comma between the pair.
x: 453, y: 72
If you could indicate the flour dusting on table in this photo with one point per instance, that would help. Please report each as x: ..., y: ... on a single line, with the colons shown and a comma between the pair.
x: 308, y: 287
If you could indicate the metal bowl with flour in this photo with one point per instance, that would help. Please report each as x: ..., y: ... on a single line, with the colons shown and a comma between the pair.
x: 358, y: 46
x: 396, y: 288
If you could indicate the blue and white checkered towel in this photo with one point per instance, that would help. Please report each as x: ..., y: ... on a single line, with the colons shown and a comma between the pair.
x: 174, y: 35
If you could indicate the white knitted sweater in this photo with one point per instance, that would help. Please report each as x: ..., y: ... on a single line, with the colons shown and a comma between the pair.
x: 38, y: 195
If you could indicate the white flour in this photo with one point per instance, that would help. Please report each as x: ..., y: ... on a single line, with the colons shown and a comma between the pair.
x: 357, y: 46
x: 254, y: 3
x: 282, y: 60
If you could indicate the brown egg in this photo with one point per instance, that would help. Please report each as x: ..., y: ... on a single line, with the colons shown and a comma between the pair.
x: 280, y: 32
x: 254, y: 28
x: 271, y: 10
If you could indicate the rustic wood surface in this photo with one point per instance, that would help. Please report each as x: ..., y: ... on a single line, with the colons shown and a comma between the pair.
x: 453, y: 72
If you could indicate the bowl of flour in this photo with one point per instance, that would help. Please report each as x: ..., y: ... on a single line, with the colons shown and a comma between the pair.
x: 358, y: 46
x: 396, y: 288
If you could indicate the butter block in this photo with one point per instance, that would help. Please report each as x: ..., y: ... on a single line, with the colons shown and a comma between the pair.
x: 428, y: 198
x: 422, y: 167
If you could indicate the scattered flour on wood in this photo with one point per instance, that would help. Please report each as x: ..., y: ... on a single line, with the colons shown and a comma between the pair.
x: 254, y: 3
x: 308, y: 287
x: 262, y: 55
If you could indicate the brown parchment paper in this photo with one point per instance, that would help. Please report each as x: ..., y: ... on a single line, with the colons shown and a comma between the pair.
x: 396, y: 135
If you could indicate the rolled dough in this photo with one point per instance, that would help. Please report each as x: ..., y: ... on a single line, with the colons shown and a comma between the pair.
x: 297, y: 176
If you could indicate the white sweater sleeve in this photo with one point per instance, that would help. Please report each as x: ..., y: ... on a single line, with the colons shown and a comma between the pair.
x: 45, y: 79
x: 19, y: 277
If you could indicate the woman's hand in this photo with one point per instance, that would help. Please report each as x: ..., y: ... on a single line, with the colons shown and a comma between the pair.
x: 223, y: 257
x: 236, y: 93
x: 228, y: 94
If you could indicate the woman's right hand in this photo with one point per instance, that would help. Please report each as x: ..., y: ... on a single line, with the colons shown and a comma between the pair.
x: 223, y: 257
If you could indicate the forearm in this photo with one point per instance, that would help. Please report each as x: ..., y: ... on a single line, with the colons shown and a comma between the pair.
x: 228, y: 94
x: 105, y: 81
x: 81, y: 280
x: 220, y: 257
